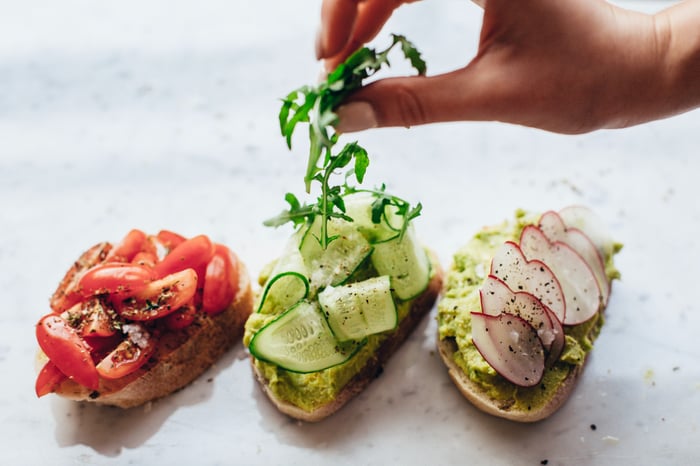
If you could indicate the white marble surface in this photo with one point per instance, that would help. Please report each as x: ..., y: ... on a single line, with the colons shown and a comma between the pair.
x: 162, y: 114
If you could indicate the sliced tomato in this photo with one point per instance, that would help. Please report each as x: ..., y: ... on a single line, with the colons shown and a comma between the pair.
x: 49, y: 379
x: 145, y: 259
x: 194, y: 253
x: 100, y: 346
x: 170, y: 239
x: 132, y: 243
x: 221, y: 281
x: 181, y: 318
x: 131, y: 354
x: 160, y: 297
x: 90, y: 318
x: 68, y: 294
x: 97, y: 321
x: 113, y: 278
x: 62, y: 344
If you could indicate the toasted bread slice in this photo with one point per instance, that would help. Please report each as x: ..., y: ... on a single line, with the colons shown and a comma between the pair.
x: 374, y: 366
x: 179, y: 358
x: 500, y: 408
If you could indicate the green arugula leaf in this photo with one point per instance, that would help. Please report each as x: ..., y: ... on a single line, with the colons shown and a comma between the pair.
x: 315, y: 106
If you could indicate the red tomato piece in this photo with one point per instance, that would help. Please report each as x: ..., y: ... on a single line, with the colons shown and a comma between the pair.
x: 49, y: 379
x: 132, y: 243
x: 181, y: 318
x: 90, y: 318
x: 68, y: 294
x: 121, y: 279
x: 194, y: 253
x: 100, y: 346
x: 129, y: 355
x: 221, y: 281
x: 62, y: 344
x: 97, y: 322
x: 145, y: 259
x: 170, y: 239
x: 160, y: 297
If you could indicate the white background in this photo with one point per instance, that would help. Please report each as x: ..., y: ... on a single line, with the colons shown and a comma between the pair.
x: 163, y: 114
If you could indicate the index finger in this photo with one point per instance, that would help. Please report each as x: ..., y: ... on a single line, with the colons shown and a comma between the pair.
x: 346, y: 25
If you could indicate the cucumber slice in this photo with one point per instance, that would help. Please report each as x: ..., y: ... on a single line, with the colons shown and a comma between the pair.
x: 359, y: 309
x: 339, y: 260
x: 283, y: 291
x: 288, y: 282
x: 300, y: 340
x: 358, y: 206
x: 406, y: 262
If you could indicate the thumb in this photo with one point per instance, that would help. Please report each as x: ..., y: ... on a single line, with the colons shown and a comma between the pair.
x: 410, y: 101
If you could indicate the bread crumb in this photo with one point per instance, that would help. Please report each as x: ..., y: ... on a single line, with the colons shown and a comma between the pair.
x: 610, y: 440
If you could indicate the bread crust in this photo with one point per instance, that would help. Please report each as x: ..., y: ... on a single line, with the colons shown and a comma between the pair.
x: 374, y: 366
x: 479, y: 398
x: 180, y: 357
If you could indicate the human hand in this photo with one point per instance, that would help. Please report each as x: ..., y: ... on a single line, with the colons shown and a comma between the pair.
x: 567, y: 66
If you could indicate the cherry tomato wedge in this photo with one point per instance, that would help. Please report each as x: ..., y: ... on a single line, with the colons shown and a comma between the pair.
x: 131, y: 354
x: 160, y: 297
x: 97, y: 321
x: 49, y: 379
x: 181, y: 318
x: 145, y: 259
x: 132, y: 243
x: 170, y: 239
x: 221, y: 281
x: 62, y: 344
x: 121, y: 279
x: 67, y: 294
x: 194, y: 253
x: 90, y: 318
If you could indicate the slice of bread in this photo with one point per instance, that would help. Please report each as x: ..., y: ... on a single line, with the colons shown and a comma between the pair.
x: 180, y: 357
x: 374, y: 366
x: 500, y: 408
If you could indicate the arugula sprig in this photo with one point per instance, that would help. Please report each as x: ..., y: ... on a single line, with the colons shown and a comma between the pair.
x: 315, y: 105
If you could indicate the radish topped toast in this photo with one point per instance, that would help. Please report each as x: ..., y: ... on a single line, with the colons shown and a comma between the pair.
x: 523, y: 303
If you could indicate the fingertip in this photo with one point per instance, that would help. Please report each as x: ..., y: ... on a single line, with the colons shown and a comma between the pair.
x: 355, y: 116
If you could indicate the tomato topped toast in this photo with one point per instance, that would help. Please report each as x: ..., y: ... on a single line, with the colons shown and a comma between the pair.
x: 134, y: 322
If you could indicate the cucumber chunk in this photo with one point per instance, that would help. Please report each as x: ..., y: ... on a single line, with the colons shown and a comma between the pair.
x: 359, y: 309
x: 406, y: 262
x: 340, y: 259
x: 299, y: 340
x: 358, y: 206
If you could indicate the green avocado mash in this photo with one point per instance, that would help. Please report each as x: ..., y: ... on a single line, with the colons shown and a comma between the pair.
x: 311, y: 390
x: 470, y: 268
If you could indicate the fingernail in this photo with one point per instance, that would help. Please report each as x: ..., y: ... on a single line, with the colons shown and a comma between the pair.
x: 322, y: 74
x: 355, y: 116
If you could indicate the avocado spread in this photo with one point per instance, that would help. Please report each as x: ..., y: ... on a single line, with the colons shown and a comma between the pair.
x: 309, y: 391
x: 469, y: 270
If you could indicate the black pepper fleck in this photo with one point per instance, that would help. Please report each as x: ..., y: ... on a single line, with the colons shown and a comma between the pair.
x: 593, y: 427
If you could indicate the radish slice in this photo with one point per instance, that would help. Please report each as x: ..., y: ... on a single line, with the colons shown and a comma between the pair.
x: 554, y: 229
x: 587, y: 221
x: 581, y: 292
x: 511, y: 346
x: 509, y: 264
x: 497, y: 298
